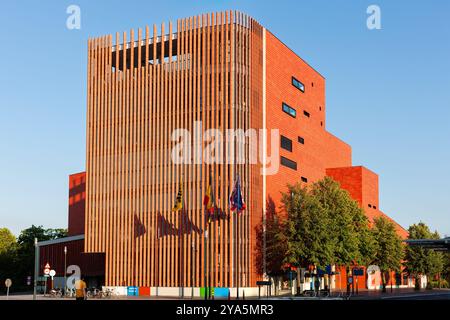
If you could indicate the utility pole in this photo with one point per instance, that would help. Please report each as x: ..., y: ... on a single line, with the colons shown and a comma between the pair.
x: 65, y: 268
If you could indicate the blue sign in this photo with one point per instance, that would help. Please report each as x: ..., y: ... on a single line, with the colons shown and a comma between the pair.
x: 358, y: 272
x: 328, y: 269
x: 221, y: 292
x: 132, y: 291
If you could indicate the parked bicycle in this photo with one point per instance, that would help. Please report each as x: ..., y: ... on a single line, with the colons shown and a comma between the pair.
x: 56, y: 293
x: 94, y: 293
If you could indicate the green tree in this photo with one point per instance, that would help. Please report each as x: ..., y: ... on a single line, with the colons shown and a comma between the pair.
x: 306, y: 228
x: 446, y: 269
x: 389, y: 249
x: 325, y: 226
x: 309, y: 241
x: 7, y: 240
x: 422, y: 261
x: 275, y: 244
x: 271, y: 244
x: 8, y: 248
x: 347, y: 223
x: 25, y: 252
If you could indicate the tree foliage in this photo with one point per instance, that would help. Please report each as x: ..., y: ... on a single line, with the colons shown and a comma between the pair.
x: 17, y: 262
x: 325, y: 226
x: 419, y: 260
x: 7, y: 240
x: 389, y: 250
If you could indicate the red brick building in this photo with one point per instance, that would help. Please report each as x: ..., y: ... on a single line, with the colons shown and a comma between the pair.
x: 228, y: 72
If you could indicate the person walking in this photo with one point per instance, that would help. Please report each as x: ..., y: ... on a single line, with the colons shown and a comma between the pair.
x: 80, y: 289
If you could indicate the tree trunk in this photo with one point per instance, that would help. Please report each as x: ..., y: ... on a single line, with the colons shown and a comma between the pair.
x: 298, y: 282
x: 383, y: 281
x: 347, y: 271
x: 417, y: 282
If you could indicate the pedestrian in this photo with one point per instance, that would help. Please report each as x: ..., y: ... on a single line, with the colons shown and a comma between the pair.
x: 80, y: 289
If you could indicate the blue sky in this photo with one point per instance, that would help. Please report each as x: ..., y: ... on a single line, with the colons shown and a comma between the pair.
x: 388, y: 93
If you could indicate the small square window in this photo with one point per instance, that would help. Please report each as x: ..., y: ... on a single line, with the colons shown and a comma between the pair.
x: 306, y: 113
x: 304, y: 179
x: 301, y: 140
x: 370, y: 206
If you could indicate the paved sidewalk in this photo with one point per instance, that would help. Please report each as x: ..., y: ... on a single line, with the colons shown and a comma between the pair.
x: 402, y: 294
x: 396, y: 294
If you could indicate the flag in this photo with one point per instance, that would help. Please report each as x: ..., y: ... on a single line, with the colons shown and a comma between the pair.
x: 216, y: 214
x: 236, y: 201
x: 179, y: 202
x: 207, y: 200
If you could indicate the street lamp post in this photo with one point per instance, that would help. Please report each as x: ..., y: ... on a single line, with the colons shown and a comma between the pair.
x: 65, y: 268
x: 36, y: 266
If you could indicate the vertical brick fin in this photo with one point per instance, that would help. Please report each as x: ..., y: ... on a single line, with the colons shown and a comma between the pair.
x: 139, y: 91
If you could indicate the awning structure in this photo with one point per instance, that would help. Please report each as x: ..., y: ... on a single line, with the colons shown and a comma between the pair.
x: 433, y: 244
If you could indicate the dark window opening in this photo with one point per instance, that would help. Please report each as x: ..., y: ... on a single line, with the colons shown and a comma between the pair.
x: 306, y: 113
x: 304, y: 179
x: 300, y: 86
x: 321, y: 123
x: 301, y: 140
x: 312, y: 84
x: 288, y: 163
x: 374, y: 207
x: 286, y: 143
x: 289, y: 110
x: 370, y: 206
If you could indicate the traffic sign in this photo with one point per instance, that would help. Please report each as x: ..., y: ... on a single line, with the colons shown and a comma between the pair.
x: 47, y: 269
x: 52, y: 273
x: 8, y: 284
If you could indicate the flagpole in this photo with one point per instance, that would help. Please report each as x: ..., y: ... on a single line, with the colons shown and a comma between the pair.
x: 205, y: 238
x: 205, y: 235
x: 238, y: 280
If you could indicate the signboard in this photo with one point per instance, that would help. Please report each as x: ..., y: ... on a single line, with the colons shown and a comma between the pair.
x: 221, y: 293
x: 132, y: 291
x: 47, y: 268
x: 263, y: 283
x: 358, y: 272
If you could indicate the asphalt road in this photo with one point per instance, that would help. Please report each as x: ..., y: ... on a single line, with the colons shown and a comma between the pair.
x: 409, y: 295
